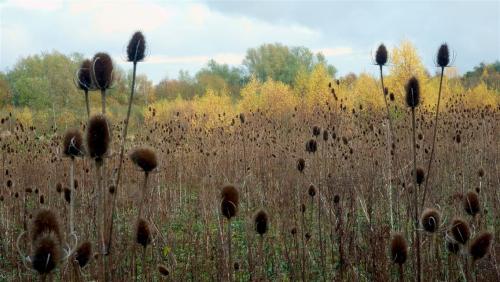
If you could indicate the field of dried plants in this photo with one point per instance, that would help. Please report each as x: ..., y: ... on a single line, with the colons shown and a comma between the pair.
x: 322, y: 196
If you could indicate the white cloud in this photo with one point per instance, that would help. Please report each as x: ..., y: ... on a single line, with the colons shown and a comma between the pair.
x: 222, y: 58
x: 332, y: 52
x: 47, y: 6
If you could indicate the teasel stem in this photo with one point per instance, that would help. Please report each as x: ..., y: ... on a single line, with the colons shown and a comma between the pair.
x: 229, y: 255
x: 72, y: 197
x: 120, y: 161
x: 103, y: 101
x: 87, y: 103
x: 436, y: 119
x: 143, y: 194
x: 415, y: 194
x: 401, y: 272
x: 101, y: 202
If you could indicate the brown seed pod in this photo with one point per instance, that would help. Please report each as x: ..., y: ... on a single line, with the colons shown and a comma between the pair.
x: 230, y: 200
x: 381, y: 55
x: 261, y: 221
x: 443, y: 56
x: 46, y: 255
x: 460, y: 231
x: 412, y: 92
x: 67, y: 195
x: 430, y: 220
x: 311, y: 146
x: 83, y: 253
x: 45, y: 222
x: 73, y: 143
x: 301, y: 164
x: 399, y: 249
x: 102, y: 71
x: 452, y: 247
x: 142, y: 235
x: 471, y: 203
x: 420, y: 175
x: 145, y: 158
x: 136, y: 47
x: 481, y: 245
x: 311, y: 191
x: 98, y: 136
x: 84, y: 77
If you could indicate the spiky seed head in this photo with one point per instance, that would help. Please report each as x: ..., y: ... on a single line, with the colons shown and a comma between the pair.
x: 311, y: 146
x: 102, y: 71
x: 261, y: 221
x: 412, y: 92
x: 481, y: 245
x: 480, y: 172
x: 163, y: 270
x: 67, y: 195
x: 84, y: 77
x: 73, y: 143
x: 381, y: 55
x: 98, y: 136
x: 301, y: 164
x: 311, y: 191
x: 230, y: 200
x: 142, y: 234
x: 83, y: 253
x: 443, y: 55
x: 471, y: 203
x: 242, y: 117
x: 325, y: 135
x: 430, y: 220
x: 399, y: 249
x: 46, y: 255
x: 460, y: 231
x: 45, y: 222
x: 136, y: 47
x: 420, y: 175
x: 316, y: 130
x: 336, y: 199
x: 145, y: 158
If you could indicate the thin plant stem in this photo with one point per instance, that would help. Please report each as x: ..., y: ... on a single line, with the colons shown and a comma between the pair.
x: 415, y: 195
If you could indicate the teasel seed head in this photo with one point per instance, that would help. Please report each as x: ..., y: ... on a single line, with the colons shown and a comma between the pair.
x: 460, y: 231
x: 399, y: 249
x: 73, y: 143
x: 316, y: 130
x: 230, y: 200
x: 430, y: 220
x: 84, y: 77
x: 311, y: 191
x: 412, y: 92
x: 102, y: 71
x: 67, y: 195
x: 136, y: 47
x: 452, y: 247
x: 471, y: 203
x: 46, y: 254
x: 98, y: 136
x: 83, y: 253
x: 142, y: 234
x: 311, y: 146
x: 45, y: 222
x: 145, y: 158
x: 261, y: 222
x: 481, y: 245
x: 420, y: 175
x: 381, y: 55
x: 443, y: 56
x: 301, y: 164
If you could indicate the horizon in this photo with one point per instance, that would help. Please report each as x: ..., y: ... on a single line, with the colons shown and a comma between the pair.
x: 174, y: 31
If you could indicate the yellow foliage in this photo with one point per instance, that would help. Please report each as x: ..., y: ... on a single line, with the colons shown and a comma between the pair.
x: 481, y: 96
x: 318, y: 94
x: 25, y: 116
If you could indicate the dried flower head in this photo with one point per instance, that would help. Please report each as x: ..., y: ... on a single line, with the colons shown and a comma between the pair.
x: 261, y: 221
x: 481, y: 245
x: 399, y: 249
x: 412, y: 92
x: 471, y: 203
x: 145, y: 158
x: 83, y: 253
x: 230, y: 200
x: 46, y: 254
x: 142, y: 234
x: 443, y: 56
x: 301, y: 164
x: 84, y: 77
x: 98, y: 136
x: 45, y: 222
x: 102, y: 71
x: 136, y: 47
x: 73, y: 143
x: 381, y: 55
x: 460, y: 231
x: 430, y: 220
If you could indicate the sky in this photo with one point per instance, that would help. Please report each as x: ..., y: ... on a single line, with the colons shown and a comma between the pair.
x: 184, y: 35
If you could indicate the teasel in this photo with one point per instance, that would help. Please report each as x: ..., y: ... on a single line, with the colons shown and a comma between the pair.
x: 136, y: 52
x: 261, y: 222
x: 229, y: 207
x: 46, y: 255
x: 412, y: 100
x: 83, y: 254
x: 98, y: 140
x: 471, y: 203
x: 442, y: 59
x: 143, y: 238
x: 102, y: 75
x: 430, y: 220
x: 460, y: 231
x: 481, y: 245
x: 72, y: 147
x: 85, y: 81
x: 399, y: 252
x: 144, y: 158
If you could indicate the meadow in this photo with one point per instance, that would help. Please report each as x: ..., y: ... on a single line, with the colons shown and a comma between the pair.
x: 354, y: 181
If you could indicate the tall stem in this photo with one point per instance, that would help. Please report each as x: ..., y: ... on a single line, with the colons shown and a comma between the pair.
x: 87, y: 104
x: 229, y: 255
x: 103, y: 101
x: 436, y: 119
x: 415, y: 193
x: 72, y: 196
